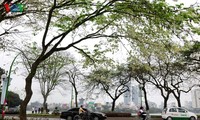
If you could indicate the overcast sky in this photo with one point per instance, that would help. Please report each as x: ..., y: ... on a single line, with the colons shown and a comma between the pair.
x: 59, y: 96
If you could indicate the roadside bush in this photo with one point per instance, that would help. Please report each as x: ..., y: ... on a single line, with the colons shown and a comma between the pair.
x: 115, y: 114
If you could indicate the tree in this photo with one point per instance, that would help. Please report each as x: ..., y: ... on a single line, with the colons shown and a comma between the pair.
x: 160, y: 80
x: 32, y: 18
x: 140, y: 74
x: 148, y: 39
x: 170, y: 74
x: 154, y: 64
x: 191, y: 59
x: 75, y: 76
x: 191, y: 54
x: 88, y: 12
x: 50, y: 73
x: 180, y: 80
x: 113, y: 82
x: 13, y: 99
x: 2, y: 71
x: 170, y: 77
x: 70, y: 16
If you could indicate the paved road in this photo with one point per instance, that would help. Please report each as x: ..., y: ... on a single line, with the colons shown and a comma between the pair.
x: 129, y: 118
x: 39, y: 118
x: 109, y: 118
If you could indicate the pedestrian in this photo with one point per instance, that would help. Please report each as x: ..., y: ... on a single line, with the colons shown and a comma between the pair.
x: 39, y: 110
x: 33, y: 110
x: 55, y: 111
x: 48, y: 111
x: 42, y: 110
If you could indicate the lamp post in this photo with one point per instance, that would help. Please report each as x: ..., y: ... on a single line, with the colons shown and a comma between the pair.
x: 141, y: 86
x: 4, y: 80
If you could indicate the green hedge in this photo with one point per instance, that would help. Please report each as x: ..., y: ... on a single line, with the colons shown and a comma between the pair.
x: 43, y: 115
x: 115, y: 114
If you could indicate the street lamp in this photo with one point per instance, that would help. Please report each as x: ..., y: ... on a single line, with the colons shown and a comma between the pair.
x: 141, y: 86
x: 3, y: 89
x: 3, y: 77
x: 4, y: 80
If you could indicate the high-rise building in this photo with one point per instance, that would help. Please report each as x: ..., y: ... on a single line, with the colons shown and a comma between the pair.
x: 135, y: 95
x: 81, y: 101
x: 132, y: 96
x: 196, y: 98
x: 127, y: 96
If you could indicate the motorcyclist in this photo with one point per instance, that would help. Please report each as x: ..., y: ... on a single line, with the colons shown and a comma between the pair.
x: 141, y: 113
x: 82, y: 112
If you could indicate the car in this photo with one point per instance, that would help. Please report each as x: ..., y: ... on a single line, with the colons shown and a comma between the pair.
x: 71, y: 113
x: 177, y: 113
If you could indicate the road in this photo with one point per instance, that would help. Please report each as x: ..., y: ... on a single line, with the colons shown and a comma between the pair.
x: 40, y: 118
x: 109, y: 118
x: 132, y: 118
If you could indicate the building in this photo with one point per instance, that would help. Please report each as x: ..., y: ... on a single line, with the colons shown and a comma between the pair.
x: 135, y: 95
x: 131, y: 97
x: 81, y: 101
x: 152, y: 104
x: 196, y: 98
x: 127, y: 97
x: 188, y: 104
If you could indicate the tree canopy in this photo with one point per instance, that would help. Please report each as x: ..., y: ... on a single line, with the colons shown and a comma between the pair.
x: 138, y: 22
x: 114, y: 82
x: 13, y: 99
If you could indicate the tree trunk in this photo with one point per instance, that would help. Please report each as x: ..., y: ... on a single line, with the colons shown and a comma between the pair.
x: 178, y: 98
x: 113, y: 105
x: 145, y: 98
x: 28, y: 90
x: 165, y: 101
x: 76, y: 98
x: 45, y: 104
x: 178, y: 101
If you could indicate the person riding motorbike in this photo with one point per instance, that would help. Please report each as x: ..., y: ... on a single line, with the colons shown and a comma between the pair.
x: 82, y: 112
x: 141, y: 113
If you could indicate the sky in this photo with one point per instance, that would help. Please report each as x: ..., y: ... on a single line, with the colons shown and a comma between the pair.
x: 59, y: 95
